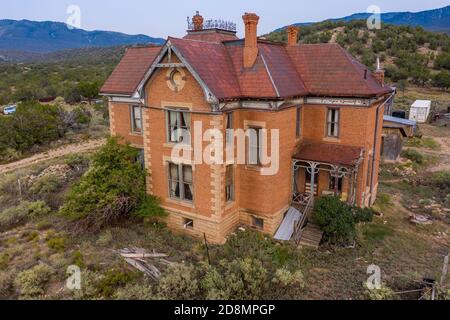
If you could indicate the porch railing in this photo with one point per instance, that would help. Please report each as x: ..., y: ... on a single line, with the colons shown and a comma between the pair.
x: 299, y: 226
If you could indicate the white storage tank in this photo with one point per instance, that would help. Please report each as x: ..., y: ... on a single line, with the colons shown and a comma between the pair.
x: 420, y: 110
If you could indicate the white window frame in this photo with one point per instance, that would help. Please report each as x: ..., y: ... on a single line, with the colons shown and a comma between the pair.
x: 134, y: 128
x: 333, y: 123
x: 229, y: 184
x: 180, y: 182
x: 174, y: 119
x: 254, y: 148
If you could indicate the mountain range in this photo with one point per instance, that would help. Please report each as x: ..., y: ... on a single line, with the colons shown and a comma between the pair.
x: 437, y: 20
x: 48, y: 36
x: 23, y: 40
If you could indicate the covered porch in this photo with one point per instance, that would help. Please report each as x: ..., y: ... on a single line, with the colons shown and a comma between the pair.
x: 319, y: 169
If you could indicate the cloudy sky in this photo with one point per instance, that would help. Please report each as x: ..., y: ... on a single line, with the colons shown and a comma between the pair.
x: 163, y: 18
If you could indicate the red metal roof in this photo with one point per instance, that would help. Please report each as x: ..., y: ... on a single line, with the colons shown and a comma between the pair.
x: 329, y: 153
x: 279, y: 71
x: 213, y: 35
x: 130, y: 71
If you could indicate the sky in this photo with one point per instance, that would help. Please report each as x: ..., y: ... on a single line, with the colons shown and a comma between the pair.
x: 168, y: 17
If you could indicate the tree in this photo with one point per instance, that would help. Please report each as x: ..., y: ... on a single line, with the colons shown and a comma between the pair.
x: 442, y: 61
x: 88, y: 90
x: 401, y: 85
x: 442, y: 80
x: 110, y: 191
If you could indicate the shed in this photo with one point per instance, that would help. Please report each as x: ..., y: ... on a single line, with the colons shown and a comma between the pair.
x: 420, y: 110
x: 395, y: 131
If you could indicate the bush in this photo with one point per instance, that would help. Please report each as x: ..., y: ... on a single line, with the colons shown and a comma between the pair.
x: 441, y: 179
x: 414, y: 156
x: 110, y: 191
x: 57, y: 243
x: 335, y: 218
x: 6, y: 284
x: 384, y: 293
x: 113, y: 278
x: 135, y: 292
x: 179, y: 283
x: 45, y: 185
x: 32, y: 282
x: 363, y: 214
x: 20, y: 214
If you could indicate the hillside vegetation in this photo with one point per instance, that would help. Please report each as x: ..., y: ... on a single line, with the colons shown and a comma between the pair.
x: 409, y: 54
x: 57, y: 74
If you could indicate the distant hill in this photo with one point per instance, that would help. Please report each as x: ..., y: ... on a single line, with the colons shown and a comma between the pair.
x: 42, y: 37
x: 433, y: 20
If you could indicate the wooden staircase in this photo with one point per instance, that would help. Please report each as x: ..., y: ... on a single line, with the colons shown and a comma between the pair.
x: 311, y: 236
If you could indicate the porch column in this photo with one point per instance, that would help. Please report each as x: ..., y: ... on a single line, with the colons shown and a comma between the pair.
x: 313, y: 170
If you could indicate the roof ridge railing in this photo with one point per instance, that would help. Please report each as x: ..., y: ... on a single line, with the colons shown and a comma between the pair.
x: 214, y: 24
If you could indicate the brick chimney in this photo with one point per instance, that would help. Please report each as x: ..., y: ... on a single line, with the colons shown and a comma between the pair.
x: 292, y: 32
x: 251, y: 41
x: 379, y: 73
x: 197, y: 20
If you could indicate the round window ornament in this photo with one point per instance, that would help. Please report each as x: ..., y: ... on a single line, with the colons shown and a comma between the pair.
x: 176, y: 79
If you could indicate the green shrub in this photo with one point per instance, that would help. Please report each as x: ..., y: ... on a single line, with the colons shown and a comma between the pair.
x: 384, y: 293
x: 110, y: 191
x: 5, y: 258
x: 363, y: 214
x: 114, y: 278
x: 57, y: 243
x: 135, y: 292
x: 424, y: 142
x: 441, y: 179
x: 45, y: 185
x: 240, y: 279
x: 78, y: 259
x: 414, y: 156
x: 336, y: 219
x: 32, y: 282
x: 6, y: 284
x: 20, y: 214
x: 179, y: 283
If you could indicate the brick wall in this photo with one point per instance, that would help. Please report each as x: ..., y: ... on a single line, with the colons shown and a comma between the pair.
x: 120, y: 124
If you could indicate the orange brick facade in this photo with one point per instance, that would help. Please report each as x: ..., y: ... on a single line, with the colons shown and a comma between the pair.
x: 256, y: 196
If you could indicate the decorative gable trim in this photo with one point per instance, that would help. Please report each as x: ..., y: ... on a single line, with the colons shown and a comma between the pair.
x: 170, y: 49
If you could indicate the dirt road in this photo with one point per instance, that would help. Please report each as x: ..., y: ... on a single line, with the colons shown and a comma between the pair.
x: 52, y: 154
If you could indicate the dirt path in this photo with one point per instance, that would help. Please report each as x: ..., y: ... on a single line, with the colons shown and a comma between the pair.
x: 52, y: 154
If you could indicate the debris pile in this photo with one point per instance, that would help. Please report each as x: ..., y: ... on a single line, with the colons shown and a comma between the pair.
x: 140, y: 259
x: 62, y: 172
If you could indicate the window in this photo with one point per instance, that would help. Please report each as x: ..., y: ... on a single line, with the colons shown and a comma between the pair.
x: 333, y: 123
x: 178, y: 127
x: 257, y: 223
x: 298, y: 128
x: 136, y: 119
x: 141, y: 158
x: 188, y: 224
x: 335, y: 183
x: 254, y: 146
x: 229, y: 184
x: 369, y: 172
x: 180, y: 182
x: 230, y: 127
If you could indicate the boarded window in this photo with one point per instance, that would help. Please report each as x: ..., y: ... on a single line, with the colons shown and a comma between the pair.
x: 136, y: 119
x: 229, y: 185
x: 333, y: 123
x: 181, y: 182
x: 254, y: 146
x: 179, y: 127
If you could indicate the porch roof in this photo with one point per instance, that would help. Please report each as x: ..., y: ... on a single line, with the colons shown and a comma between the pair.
x: 335, y: 154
